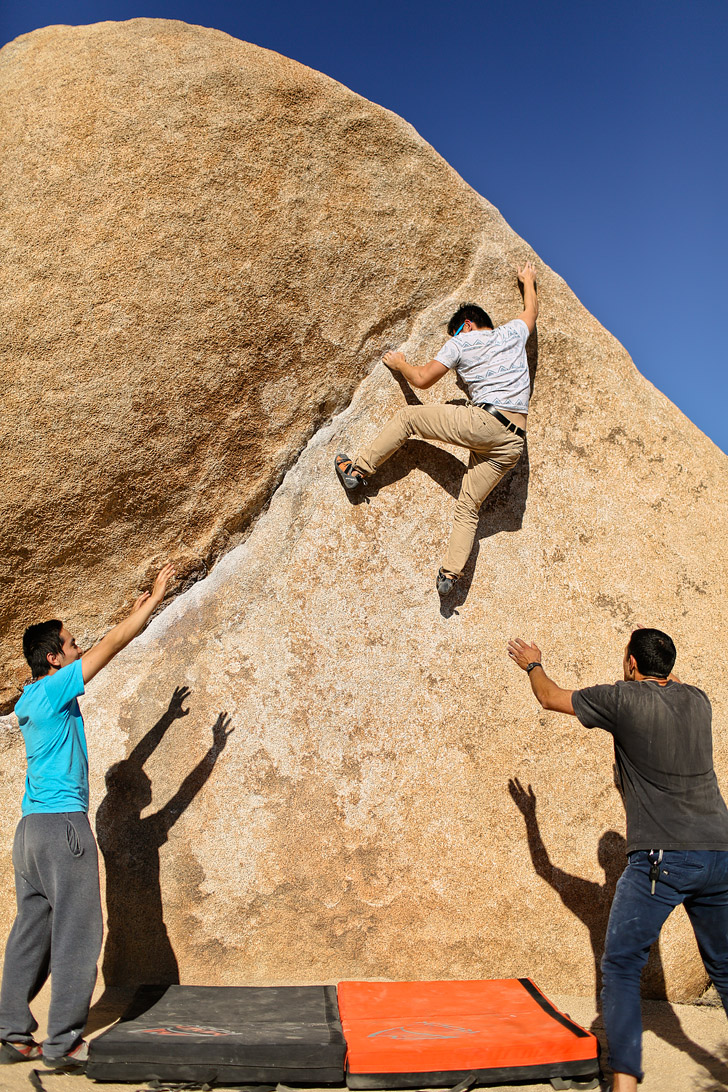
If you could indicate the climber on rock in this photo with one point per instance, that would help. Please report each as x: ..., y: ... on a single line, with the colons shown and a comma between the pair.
x: 58, y: 927
x: 677, y: 824
x: 492, y: 363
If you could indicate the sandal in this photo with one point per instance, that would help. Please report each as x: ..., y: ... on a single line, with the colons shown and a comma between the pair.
x: 346, y: 472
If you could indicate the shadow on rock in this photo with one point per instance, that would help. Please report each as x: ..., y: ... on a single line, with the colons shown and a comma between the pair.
x: 502, y: 510
x: 138, y: 949
x: 590, y: 902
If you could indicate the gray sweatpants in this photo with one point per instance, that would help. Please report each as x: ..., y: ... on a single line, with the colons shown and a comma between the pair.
x: 57, y: 930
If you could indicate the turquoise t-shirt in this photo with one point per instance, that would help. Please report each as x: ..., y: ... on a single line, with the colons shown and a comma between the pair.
x: 55, y: 742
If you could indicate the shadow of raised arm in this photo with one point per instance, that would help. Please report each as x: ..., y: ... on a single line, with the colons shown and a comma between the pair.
x: 167, y: 816
x: 147, y: 744
x: 525, y: 801
x: 577, y: 894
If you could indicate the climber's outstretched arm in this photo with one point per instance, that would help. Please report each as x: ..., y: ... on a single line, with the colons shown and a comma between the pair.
x: 421, y: 377
x: 527, y: 277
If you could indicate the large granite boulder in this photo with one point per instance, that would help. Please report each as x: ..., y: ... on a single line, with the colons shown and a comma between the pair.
x: 206, y: 246
x: 217, y: 245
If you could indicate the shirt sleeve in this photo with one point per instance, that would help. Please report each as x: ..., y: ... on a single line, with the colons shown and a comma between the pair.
x: 518, y: 327
x: 597, y: 706
x: 449, y: 354
x: 65, y: 685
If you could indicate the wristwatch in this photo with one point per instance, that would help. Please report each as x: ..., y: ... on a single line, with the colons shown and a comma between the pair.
x: 530, y: 667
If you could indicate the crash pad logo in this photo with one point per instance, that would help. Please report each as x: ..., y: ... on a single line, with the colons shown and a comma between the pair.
x: 422, y: 1029
x: 182, y: 1030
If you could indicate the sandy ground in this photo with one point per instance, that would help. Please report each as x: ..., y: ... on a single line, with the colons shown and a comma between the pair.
x: 685, y: 1049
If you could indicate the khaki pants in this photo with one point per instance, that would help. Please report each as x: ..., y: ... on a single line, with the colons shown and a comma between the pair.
x: 493, y: 451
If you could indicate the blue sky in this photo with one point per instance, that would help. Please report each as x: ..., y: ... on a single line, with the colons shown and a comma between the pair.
x: 598, y: 130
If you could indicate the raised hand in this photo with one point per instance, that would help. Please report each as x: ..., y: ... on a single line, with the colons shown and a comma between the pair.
x: 522, y: 653
x: 394, y: 360
x: 527, y: 272
x: 163, y: 578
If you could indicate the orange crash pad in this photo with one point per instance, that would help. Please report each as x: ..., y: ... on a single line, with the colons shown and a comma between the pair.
x: 410, y: 1034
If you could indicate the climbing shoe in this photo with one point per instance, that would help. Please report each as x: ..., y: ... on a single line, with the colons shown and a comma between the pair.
x: 18, y: 1052
x: 349, y: 477
x: 445, y: 583
x: 73, y: 1062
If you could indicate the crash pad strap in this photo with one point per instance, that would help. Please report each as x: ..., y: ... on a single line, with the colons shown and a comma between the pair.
x: 553, y: 1012
x: 466, y: 1083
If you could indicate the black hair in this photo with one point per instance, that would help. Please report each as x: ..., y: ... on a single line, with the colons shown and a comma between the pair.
x: 654, y: 652
x: 469, y: 312
x: 38, y: 641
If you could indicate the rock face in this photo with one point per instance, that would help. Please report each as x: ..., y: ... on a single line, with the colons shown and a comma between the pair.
x: 209, y: 296
x: 205, y: 247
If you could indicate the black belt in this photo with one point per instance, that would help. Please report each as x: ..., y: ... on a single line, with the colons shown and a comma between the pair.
x: 502, y: 418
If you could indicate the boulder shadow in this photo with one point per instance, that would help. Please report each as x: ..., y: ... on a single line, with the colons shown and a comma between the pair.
x: 590, y: 902
x: 138, y: 949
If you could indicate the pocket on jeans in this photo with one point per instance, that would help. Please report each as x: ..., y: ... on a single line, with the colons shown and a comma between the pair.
x: 681, y: 870
x: 683, y: 859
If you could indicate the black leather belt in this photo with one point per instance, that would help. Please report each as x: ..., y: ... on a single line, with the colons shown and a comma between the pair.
x: 502, y: 418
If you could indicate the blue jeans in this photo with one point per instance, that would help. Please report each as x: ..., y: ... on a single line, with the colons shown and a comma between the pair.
x: 699, y: 880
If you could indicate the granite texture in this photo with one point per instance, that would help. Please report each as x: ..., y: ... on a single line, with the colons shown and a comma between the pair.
x: 205, y: 248
x: 190, y: 304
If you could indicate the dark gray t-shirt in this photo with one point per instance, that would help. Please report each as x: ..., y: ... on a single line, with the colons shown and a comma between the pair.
x: 663, y: 745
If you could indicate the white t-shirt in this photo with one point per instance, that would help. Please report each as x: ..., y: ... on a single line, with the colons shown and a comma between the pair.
x: 492, y: 364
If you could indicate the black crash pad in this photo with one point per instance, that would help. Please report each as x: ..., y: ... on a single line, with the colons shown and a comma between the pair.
x: 224, y: 1034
